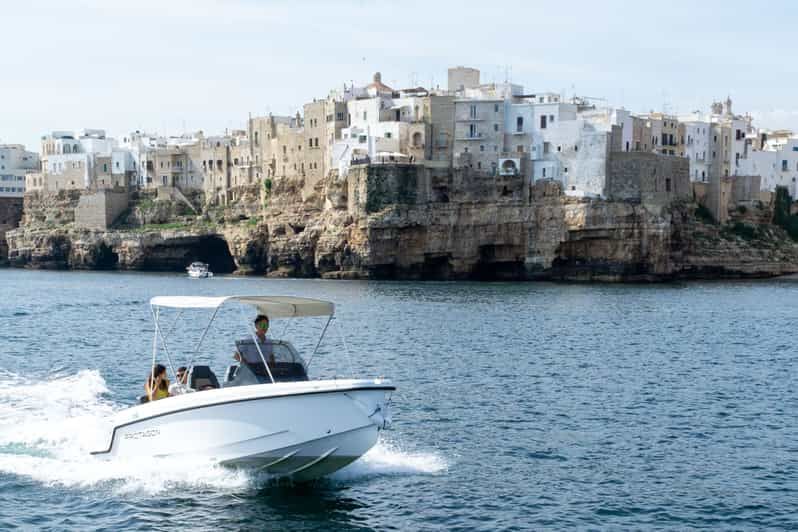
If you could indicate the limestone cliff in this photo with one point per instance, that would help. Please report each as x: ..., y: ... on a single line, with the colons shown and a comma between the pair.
x: 405, y: 222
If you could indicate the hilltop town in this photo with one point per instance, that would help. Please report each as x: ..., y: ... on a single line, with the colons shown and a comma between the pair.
x: 472, y: 181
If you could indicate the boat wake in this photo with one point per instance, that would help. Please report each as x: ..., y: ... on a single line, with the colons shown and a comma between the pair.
x: 47, y: 429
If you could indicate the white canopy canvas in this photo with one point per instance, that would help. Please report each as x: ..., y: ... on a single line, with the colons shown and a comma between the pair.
x: 272, y: 306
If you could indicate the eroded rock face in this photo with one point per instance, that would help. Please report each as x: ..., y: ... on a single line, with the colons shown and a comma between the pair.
x: 428, y: 227
x: 150, y: 251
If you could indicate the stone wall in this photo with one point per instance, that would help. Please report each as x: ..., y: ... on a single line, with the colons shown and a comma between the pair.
x: 100, y: 209
x: 376, y: 186
x: 50, y: 208
x: 746, y: 188
x: 648, y: 178
x: 10, y: 217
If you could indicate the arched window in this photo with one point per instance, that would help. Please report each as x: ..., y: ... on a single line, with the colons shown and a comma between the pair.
x: 508, y: 167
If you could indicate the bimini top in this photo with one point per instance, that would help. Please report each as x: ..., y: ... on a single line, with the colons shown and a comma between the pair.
x: 272, y: 306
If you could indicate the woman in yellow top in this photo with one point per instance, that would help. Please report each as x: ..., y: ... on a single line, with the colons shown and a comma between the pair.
x: 157, y: 385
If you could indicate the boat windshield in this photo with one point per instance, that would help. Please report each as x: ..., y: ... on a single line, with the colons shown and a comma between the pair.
x: 284, y: 363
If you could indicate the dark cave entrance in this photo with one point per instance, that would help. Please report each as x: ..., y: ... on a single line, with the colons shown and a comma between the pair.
x: 105, y: 258
x: 214, y: 251
x: 176, y: 255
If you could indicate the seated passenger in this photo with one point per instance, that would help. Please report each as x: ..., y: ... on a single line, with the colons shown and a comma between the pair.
x: 180, y: 386
x: 157, y: 385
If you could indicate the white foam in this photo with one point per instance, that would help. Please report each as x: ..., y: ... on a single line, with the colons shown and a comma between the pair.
x: 388, y: 459
x: 47, y: 429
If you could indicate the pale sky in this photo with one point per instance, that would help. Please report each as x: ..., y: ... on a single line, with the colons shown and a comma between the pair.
x: 181, y: 65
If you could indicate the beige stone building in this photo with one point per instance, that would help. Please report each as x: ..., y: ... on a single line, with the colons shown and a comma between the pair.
x: 478, y: 133
x: 641, y: 135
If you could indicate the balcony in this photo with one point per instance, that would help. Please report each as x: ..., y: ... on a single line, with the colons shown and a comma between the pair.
x: 478, y: 136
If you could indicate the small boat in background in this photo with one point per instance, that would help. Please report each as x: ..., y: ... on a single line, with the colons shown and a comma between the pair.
x: 199, y: 270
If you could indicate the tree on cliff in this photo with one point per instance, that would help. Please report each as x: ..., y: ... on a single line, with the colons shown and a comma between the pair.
x: 781, y: 212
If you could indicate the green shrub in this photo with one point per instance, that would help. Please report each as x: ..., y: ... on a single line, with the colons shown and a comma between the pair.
x: 745, y: 231
x: 704, y: 214
x: 781, y: 213
x: 267, y: 188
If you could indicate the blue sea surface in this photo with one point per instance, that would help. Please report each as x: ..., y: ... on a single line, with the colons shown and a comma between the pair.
x: 519, y: 406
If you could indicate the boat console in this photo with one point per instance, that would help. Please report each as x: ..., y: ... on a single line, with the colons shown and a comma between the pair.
x: 284, y: 362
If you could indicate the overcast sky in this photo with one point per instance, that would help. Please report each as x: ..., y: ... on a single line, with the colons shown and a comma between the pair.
x: 181, y: 65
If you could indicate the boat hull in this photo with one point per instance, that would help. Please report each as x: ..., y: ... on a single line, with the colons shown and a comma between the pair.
x: 301, y: 430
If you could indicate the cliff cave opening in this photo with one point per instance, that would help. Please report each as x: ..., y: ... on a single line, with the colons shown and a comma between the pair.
x: 177, y: 254
x: 498, y: 263
x: 214, y: 251
x: 105, y: 258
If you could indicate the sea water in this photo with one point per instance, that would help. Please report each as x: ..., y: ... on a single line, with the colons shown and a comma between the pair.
x: 519, y: 406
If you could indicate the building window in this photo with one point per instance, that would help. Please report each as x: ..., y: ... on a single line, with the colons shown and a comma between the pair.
x: 362, y: 139
x: 365, y: 115
x: 495, y: 127
x: 479, y: 164
x: 472, y: 130
x: 544, y: 172
x: 520, y: 149
x: 387, y: 134
x: 473, y: 111
x: 543, y: 122
x: 519, y: 124
x: 481, y: 147
x: 495, y: 107
x: 783, y: 166
x: 551, y: 119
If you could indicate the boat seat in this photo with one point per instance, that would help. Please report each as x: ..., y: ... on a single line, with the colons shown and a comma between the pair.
x: 202, y: 378
x: 288, y: 372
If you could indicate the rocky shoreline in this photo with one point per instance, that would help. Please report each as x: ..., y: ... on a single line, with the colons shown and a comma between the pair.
x: 363, y: 228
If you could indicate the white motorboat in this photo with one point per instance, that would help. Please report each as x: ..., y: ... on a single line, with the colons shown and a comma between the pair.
x: 266, y: 414
x: 199, y: 270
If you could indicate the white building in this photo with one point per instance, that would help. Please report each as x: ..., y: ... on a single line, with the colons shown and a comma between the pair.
x: 716, y: 142
x: 381, y: 123
x: 500, y: 129
x: 15, y: 162
x: 776, y: 163
x: 698, y: 148
x: 84, y: 160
